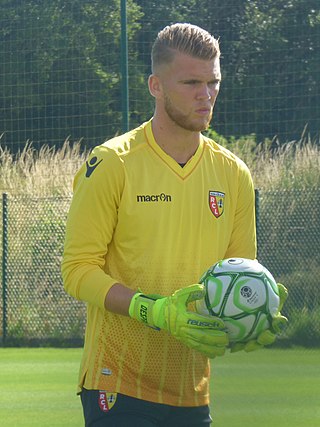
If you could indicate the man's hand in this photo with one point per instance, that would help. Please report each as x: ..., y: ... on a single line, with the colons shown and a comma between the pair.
x: 202, y: 333
x: 269, y: 336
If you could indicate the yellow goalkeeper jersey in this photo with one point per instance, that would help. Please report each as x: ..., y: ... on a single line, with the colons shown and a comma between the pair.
x: 137, y: 217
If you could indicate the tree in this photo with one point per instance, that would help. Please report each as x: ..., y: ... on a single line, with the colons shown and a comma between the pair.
x: 277, y: 74
x: 270, y: 61
x: 61, y: 69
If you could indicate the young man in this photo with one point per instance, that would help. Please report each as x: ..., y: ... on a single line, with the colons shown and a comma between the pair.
x: 152, y: 210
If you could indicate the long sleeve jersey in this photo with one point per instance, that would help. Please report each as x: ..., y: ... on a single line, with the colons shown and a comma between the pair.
x: 138, y: 218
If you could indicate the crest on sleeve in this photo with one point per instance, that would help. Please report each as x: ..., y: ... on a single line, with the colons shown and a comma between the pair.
x: 216, y: 203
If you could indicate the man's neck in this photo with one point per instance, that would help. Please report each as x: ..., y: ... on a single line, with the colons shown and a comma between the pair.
x: 178, y: 143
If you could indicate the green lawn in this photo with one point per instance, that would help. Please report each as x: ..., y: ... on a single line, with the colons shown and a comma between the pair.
x: 262, y: 389
x: 267, y: 388
x: 38, y: 388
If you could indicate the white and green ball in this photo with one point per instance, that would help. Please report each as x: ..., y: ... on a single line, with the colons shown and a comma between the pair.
x: 243, y: 293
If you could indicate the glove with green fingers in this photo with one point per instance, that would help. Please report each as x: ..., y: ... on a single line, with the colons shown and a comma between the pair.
x: 267, y: 337
x: 173, y: 314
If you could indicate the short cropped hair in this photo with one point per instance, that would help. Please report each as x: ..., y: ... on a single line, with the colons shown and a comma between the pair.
x: 185, y: 38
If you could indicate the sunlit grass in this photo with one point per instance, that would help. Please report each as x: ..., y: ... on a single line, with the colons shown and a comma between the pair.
x: 294, y: 165
x: 38, y: 388
x: 45, y: 172
x: 255, y: 389
x: 50, y: 171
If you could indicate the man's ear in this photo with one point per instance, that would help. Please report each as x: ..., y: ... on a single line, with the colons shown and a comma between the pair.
x: 155, y: 87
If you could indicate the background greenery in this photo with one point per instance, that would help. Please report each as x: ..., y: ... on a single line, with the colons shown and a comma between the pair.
x: 60, y: 68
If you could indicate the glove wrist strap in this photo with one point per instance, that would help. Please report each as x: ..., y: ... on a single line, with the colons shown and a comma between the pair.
x: 142, y: 309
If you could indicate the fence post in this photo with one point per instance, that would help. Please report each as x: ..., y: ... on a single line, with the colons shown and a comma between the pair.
x: 124, y: 68
x: 4, y: 264
x: 257, y: 209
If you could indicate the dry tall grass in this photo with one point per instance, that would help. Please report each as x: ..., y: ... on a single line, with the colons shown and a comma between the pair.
x: 50, y: 171
x: 41, y: 173
x: 292, y: 166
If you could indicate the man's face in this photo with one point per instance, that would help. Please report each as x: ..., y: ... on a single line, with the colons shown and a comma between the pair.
x: 190, y: 87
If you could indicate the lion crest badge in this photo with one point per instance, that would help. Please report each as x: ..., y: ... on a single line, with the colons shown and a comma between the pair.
x: 216, y: 202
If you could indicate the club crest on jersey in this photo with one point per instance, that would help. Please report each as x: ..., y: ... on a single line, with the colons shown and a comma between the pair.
x: 216, y: 203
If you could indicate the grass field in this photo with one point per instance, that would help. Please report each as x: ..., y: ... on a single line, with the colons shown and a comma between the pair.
x: 267, y: 388
x: 262, y: 389
x: 37, y: 388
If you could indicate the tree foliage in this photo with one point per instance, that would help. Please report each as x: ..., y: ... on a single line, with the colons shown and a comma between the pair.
x: 277, y: 72
x: 60, y: 73
x: 61, y: 68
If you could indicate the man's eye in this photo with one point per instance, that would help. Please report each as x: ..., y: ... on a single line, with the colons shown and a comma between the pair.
x: 214, y: 83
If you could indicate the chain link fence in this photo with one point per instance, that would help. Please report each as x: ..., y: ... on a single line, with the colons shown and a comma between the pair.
x: 77, y: 70
x: 35, y: 309
x: 288, y: 245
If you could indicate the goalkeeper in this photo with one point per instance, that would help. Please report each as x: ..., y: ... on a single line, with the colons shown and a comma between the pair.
x: 152, y: 209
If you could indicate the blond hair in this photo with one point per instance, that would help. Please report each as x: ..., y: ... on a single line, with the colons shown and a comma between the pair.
x: 185, y: 38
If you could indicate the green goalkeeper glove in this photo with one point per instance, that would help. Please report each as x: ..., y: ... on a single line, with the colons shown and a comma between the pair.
x: 269, y: 336
x: 202, y: 333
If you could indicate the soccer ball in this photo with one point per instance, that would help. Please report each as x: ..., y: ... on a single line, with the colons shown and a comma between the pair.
x: 243, y: 293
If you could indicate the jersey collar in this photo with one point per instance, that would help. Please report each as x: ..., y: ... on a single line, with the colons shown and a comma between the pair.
x: 168, y: 160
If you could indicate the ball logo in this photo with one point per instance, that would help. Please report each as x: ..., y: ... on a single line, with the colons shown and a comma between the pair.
x: 235, y: 261
x: 246, y: 291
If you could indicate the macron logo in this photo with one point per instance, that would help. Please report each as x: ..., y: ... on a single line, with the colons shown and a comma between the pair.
x: 154, y: 198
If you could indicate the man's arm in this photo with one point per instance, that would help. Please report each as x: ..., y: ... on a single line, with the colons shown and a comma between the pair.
x: 90, y: 226
x: 118, y: 299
